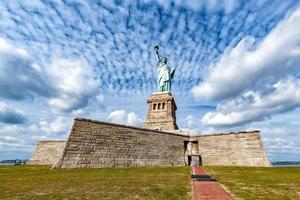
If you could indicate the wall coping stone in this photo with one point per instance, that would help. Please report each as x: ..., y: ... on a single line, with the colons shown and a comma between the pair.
x: 128, y: 126
x: 45, y: 140
x: 229, y: 133
x: 159, y: 131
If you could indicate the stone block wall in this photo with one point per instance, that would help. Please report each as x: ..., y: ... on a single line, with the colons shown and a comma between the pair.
x: 161, y: 113
x: 47, y: 152
x: 232, y: 149
x: 101, y: 144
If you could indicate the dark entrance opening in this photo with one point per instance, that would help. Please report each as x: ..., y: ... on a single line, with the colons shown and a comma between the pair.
x: 200, y: 161
x: 189, y: 160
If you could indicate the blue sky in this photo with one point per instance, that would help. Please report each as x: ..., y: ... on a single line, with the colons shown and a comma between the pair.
x: 237, y: 67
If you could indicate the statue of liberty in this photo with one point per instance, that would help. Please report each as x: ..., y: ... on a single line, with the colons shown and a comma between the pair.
x: 164, y: 73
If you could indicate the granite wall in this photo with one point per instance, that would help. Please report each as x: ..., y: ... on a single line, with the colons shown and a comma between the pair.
x: 232, y: 149
x: 47, y: 152
x: 101, y: 144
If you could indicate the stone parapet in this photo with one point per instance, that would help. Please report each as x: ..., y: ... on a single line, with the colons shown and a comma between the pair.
x: 101, y: 144
x: 232, y: 149
x: 94, y: 143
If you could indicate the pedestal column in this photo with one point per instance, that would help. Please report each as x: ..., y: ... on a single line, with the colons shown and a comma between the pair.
x: 161, y: 112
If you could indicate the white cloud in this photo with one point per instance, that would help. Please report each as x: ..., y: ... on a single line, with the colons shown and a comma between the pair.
x: 252, y: 106
x: 59, y: 125
x: 198, y: 5
x: 122, y: 117
x: 132, y: 119
x: 68, y: 84
x: 8, y: 139
x: 100, y: 98
x: 118, y: 116
x: 16, y: 145
x: 190, y: 121
x: 242, y: 67
x: 19, y: 78
x: 282, y: 149
x: 13, y: 143
x: 74, y: 81
x: 11, y: 116
x: 245, y: 78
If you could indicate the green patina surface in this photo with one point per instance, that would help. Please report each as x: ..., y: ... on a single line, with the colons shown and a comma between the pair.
x: 164, y: 73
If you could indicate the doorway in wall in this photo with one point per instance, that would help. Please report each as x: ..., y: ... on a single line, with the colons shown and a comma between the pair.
x: 196, y: 160
x: 189, y: 160
x: 200, y: 161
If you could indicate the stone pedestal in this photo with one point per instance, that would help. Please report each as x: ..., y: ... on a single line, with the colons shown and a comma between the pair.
x: 161, y: 112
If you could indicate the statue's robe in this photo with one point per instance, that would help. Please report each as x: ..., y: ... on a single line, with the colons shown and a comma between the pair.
x: 163, y: 77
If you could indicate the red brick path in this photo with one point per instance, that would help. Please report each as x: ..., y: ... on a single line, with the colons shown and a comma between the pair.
x: 208, y: 190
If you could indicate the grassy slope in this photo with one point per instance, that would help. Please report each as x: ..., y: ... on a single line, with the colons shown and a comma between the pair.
x: 40, y: 182
x: 255, y: 183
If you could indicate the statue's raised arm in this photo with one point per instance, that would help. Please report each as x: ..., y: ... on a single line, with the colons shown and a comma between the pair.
x: 156, y: 47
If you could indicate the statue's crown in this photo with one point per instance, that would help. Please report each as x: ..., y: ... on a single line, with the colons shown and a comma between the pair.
x: 163, y: 59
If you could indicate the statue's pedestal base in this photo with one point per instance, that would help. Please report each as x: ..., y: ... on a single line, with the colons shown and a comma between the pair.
x: 161, y: 112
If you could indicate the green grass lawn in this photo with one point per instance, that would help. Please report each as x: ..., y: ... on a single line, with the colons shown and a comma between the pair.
x: 255, y: 183
x: 41, y: 182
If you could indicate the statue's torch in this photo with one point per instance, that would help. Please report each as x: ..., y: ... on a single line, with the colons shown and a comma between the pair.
x: 156, y: 47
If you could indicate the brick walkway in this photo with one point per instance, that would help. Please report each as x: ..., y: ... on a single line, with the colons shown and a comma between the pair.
x: 206, y: 188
